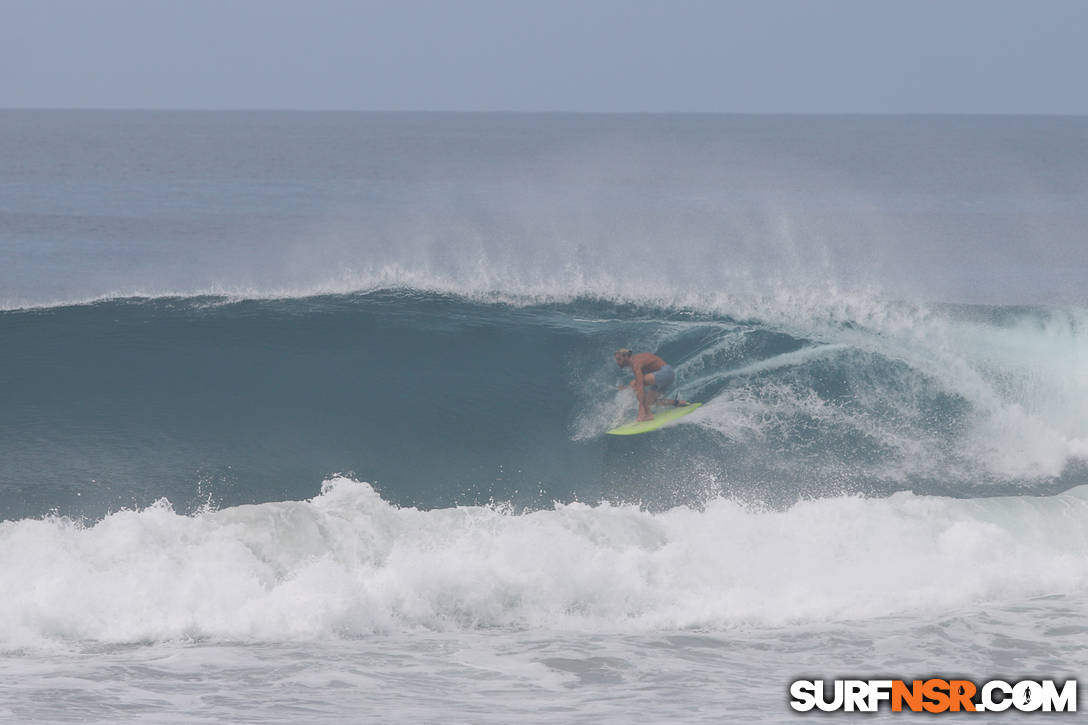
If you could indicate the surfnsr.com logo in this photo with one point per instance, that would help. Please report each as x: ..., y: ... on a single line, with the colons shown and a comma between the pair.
x: 933, y: 695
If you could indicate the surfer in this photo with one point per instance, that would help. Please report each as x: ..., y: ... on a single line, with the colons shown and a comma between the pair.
x: 653, y: 376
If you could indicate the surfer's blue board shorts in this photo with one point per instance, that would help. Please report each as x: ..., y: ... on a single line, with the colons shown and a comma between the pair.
x: 664, y: 378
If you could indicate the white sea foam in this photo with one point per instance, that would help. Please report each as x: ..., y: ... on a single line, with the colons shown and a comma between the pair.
x: 1024, y: 379
x: 347, y: 562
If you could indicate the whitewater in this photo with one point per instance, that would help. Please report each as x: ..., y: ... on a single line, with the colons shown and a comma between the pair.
x: 303, y: 414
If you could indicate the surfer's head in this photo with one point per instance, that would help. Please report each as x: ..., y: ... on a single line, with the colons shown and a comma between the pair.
x: 623, y: 357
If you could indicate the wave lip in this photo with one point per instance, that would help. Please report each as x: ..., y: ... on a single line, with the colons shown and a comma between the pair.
x: 347, y: 563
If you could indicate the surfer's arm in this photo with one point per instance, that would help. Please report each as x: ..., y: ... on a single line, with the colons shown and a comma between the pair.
x: 639, y: 384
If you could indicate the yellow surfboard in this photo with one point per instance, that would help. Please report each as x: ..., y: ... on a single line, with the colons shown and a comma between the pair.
x: 661, y: 417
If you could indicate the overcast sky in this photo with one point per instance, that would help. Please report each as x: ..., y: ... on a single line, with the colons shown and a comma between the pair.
x: 794, y: 56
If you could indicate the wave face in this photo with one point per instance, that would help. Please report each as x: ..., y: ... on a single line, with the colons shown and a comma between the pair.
x: 348, y: 563
x: 442, y: 400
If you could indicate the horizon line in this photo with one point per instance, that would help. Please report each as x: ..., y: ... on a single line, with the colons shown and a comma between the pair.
x: 509, y: 112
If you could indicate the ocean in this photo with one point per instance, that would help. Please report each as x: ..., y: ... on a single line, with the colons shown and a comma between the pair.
x: 302, y: 415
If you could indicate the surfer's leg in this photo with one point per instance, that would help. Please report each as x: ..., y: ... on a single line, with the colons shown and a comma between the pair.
x: 650, y: 389
x: 663, y: 382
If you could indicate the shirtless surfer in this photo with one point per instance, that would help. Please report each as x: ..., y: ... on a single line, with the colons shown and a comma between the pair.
x: 653, y: 376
